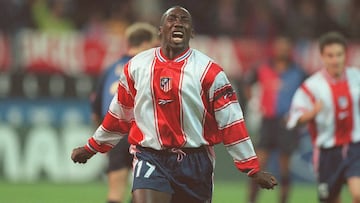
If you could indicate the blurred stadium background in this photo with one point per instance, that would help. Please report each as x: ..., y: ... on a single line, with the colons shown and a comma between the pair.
x: 52, y: 52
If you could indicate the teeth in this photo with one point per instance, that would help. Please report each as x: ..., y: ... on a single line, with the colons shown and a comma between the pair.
x: 177, y: 33
x: 177, y: 36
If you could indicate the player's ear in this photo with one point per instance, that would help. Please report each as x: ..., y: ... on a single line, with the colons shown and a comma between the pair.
x: 159, y: 31
x: 192, y: 35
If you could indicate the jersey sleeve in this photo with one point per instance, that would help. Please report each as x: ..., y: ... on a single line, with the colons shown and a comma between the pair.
x: 303, y: 101
x: 117, y: 121
x: 231, y: 125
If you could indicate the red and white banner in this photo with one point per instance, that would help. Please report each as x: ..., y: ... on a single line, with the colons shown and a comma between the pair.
x: 68, y: 53
x: 75, y: 53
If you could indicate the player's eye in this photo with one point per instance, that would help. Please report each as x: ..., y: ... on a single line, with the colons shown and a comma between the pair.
x: 339, y: 54
x: 185, y: 19
x: 171, y: 18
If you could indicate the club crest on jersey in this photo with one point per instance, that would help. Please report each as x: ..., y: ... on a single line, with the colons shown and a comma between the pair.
x: 343, y: 102
x: 165, y: 84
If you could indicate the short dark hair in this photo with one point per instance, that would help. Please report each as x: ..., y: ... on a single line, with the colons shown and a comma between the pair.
x: 166, y: 12
x: 138, y: 33
x: 331, y: 38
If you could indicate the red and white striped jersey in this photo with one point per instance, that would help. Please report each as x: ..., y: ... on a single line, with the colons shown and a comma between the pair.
x: 185, y: 102
x: 338, y: 122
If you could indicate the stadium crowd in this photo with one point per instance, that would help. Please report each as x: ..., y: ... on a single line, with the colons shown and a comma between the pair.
x: 261, y: 19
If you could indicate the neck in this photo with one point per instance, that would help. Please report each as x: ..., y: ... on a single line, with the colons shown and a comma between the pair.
x: 335, y: 74
x: 171, y: 53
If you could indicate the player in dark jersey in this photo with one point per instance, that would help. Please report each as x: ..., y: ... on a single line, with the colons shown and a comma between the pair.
x: 278, y: 79
x: 139, y: 37
x: 176, y: 103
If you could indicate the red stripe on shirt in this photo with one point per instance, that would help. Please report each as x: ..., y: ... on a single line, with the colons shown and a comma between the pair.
x: 224, y: 99
x: 135, y: 135
x: 209, y: 76
x: 250, y: 166
x: 110, y: 123
x: 124, y: 98
x: 270, y: 82
x: 228, y: 103
x: 99, y: 147
x: 234, y: 132
x: 312, y: 124
x: 211, y: 132
x: 343, y: 107
x: 308, y: 93
x: 113, y: 124
x: 221, y: 90
x: 167, y: 79
x: 129, y: 80
x: 154, y: 62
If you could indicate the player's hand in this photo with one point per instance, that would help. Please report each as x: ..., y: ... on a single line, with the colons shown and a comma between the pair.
x: 81, y: 155
x: 264, y: 180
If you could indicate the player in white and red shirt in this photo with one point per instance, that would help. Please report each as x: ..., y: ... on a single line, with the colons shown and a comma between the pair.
x: 329, y: 101
x: 176, y: 104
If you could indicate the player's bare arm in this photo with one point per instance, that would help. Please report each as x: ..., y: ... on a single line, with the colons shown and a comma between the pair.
x: 310, y: 115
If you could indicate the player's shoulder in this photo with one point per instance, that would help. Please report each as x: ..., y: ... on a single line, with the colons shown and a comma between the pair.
x: 353, y: 70
x: 201, y: 56
x: 314, y: 79
x: 203, y: 60
x: 353, y: 74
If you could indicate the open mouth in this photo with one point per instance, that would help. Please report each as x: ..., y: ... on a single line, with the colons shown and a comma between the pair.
x: 177, y: 36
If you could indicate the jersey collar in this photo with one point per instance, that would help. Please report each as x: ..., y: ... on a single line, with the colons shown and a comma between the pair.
x: 331, y: 79
x: 179, y: 58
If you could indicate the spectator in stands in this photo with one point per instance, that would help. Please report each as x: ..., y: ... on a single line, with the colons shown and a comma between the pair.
x: 50, y: 16
x: 354, y: 24
x: 260, y: 23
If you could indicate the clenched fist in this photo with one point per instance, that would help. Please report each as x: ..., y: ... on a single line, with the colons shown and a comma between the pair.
x: 81, y: 155
x: 265, y: 180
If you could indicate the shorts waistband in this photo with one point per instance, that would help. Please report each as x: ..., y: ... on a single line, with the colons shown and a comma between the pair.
x: 187, y: 150
x: 340, y: 146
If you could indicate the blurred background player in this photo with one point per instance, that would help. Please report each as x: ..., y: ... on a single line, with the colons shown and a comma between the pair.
x: 278, y: 79
x: 329, y: 101
x: 139, y: 37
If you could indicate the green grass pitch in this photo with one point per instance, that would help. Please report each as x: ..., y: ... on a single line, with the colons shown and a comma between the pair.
x: 225, y: 192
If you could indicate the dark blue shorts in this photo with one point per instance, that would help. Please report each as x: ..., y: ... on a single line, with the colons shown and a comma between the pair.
x: 119, y: 156
x: 189, y: 178
x: 336, y: 165
x: 275, y: 136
